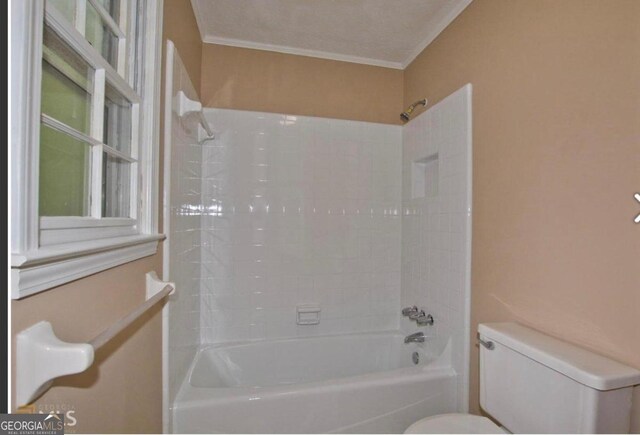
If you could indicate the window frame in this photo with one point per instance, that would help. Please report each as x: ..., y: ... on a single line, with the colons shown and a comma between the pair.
x: 49, y: 251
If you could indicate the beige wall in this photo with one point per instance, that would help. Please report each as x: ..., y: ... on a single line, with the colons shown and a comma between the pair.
x: 181, y: 27
x: 556, y: 138
x: 122, y: 392
x: 241, y: 78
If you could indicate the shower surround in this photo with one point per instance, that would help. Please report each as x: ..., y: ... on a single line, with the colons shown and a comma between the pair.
x: 299, y: 211
x: 357, y: 219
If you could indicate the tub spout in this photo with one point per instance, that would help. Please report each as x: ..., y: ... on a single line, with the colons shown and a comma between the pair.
x: 418, y: 337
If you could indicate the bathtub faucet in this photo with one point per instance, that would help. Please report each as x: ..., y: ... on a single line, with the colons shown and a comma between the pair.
x: 418, y: 337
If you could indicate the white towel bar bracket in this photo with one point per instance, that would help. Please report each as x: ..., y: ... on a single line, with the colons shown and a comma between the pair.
x: 41, y: 356
x: 155, y: 285
x: 184, y: 106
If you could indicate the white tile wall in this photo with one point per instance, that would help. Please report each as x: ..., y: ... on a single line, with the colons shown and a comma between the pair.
x: 436, y: 230
x: 299, y: 210
x: 282, y: 210
x: 183, y: 229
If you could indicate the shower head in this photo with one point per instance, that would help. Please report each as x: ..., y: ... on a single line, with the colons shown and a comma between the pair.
x: 406, y: 115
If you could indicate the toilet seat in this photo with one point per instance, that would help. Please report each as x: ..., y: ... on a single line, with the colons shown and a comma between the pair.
x: 454, y: 423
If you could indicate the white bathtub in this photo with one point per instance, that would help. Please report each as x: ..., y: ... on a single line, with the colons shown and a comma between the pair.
x: 363, y: 383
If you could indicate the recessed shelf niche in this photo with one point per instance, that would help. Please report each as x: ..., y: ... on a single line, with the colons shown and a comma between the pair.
x: 424, y: 177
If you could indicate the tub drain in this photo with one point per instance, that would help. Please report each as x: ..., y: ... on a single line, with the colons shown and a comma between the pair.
x: 415, y: 357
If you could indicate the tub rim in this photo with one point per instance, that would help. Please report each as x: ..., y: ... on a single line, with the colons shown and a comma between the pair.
x: 189, y: 394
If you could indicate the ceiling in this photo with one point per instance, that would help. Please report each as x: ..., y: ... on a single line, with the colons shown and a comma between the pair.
x: 389, y: 33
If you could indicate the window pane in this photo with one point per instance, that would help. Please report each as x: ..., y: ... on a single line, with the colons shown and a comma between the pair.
x: 113, y: 7
x: 137, y: 46
x: 117, y: 121
x: 116, y: 182
x: 66, y: 84
x: 65, y: 170
x: 66, y: 8
x: 101, y: 37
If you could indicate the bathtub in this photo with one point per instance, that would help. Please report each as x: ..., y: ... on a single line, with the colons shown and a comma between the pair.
x: 356, y: 383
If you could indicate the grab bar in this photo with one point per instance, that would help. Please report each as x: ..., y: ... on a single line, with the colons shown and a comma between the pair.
x: 41, y: 356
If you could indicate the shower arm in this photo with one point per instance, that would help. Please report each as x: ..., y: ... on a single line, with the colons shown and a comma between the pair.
x: 406, y: 115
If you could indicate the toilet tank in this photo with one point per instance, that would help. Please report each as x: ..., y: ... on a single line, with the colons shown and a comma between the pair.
x: 533, y: 383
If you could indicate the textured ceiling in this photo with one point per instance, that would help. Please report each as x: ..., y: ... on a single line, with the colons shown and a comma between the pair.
x: 378, y: 32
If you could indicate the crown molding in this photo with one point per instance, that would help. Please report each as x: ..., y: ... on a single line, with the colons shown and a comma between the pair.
x: 301, y: 52
x: 443, y: 22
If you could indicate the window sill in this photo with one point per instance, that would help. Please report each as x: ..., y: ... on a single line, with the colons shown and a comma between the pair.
x: 50, y: 266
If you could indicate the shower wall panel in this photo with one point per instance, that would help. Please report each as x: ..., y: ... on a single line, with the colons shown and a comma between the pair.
x: 436, y: 226
x: 299, y: 210
x: 182, y: 224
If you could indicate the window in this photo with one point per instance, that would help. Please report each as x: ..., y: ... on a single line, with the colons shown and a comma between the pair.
x: 85, y: 108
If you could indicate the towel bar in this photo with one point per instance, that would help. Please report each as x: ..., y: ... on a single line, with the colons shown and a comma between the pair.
x: 41, y: 356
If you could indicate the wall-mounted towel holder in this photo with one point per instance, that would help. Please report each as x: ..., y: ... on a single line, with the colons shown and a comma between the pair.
x: 185, y: 106
x: 41, y: 356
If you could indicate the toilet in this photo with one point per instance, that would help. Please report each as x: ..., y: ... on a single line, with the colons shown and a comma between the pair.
x: 455, y: 423
x: 533, y: 383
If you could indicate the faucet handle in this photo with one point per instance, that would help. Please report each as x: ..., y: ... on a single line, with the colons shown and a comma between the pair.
x: 409, y: 311
x: 425, y: 319
x: 417, y: 314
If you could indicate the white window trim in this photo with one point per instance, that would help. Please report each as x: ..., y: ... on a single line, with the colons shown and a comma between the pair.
x: 35, y: 266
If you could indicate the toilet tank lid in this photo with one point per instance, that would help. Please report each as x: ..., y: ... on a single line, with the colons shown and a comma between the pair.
x: 581, y: 365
